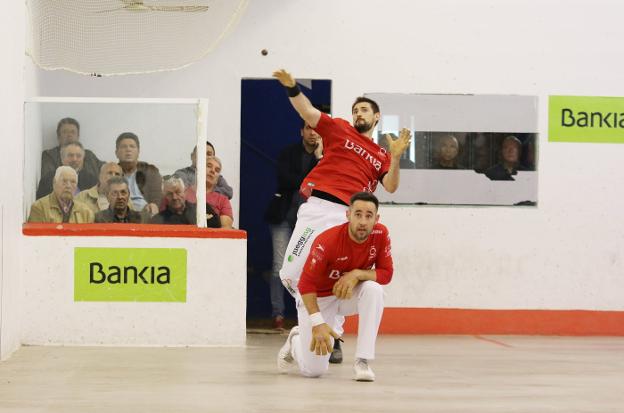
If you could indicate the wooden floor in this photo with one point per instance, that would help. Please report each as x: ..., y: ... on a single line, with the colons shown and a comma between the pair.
x: 414, y: 374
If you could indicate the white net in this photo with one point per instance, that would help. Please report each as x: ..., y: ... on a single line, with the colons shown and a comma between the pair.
x: 107, y: 37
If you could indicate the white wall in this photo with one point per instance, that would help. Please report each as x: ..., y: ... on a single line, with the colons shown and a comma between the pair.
x: 11, y: 98
x: 567, y: 253
x: 213, y: 314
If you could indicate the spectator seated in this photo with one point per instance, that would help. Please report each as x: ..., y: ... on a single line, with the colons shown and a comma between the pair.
x: 72, y: 154
x: 67, y: 131
x: 59, y: 206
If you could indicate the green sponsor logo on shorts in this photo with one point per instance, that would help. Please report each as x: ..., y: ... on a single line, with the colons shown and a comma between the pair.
x: 303, y: 240
x: 591, y: 119
x: 130, y: 274
x: 290, y: 258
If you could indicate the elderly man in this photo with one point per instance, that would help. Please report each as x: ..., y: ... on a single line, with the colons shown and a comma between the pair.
x: 178, y: 211
x: 143, y: 178
x: 118, y: 211
x: 188, y: 174
x: 73, y: 155
x: 67, y: 131
x: 96, y: 196
x: 60, y: 206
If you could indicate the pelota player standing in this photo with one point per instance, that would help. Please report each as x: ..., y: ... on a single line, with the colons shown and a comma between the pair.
x: 351, y: 163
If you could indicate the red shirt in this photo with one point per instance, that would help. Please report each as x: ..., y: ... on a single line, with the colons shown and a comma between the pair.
x: 351, y: 162
x: 334, y: 253
x: 219, y: 202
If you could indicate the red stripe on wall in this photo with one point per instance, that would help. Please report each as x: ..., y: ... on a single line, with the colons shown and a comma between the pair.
x: 474, y: 322
x: 129, y: 230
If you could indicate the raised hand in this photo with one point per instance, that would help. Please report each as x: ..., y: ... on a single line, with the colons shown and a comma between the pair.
x: 284, y: 78
x: 396, y: 147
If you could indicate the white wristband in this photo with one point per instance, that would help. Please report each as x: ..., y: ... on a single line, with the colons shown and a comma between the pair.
x: 317, y: 319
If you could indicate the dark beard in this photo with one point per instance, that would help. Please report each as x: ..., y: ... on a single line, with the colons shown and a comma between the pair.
x: 362, y: 127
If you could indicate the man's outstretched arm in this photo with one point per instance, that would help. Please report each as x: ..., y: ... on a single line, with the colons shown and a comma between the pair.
x: 395, y: 148
x: 300, y: 102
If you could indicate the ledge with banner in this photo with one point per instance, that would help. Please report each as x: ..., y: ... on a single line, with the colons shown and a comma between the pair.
x: 126, y: 284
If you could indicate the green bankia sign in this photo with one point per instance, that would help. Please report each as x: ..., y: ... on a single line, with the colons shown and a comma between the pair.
x: 586, y: 119
x: 130, y: 274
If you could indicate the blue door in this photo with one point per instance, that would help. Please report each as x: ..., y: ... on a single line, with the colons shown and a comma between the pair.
x: 268, y: 124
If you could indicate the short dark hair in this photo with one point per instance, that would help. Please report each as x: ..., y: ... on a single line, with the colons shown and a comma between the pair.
x: 361, y: 99
x: 127, y: 135
x: 116, y: 180
x: 67, y: 121
x: 64, y: 147
x: 207, y: 144
x: 364, y: 196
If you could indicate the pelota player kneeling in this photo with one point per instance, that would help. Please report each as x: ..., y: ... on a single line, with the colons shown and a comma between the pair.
x: 338, y: 279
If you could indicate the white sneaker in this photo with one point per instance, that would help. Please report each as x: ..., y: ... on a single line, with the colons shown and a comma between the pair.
x: 362, y: 371
x: 284, y: 355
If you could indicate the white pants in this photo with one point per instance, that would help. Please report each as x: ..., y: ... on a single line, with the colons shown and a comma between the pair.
x: 315, y: 216
x: 367, y: 301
